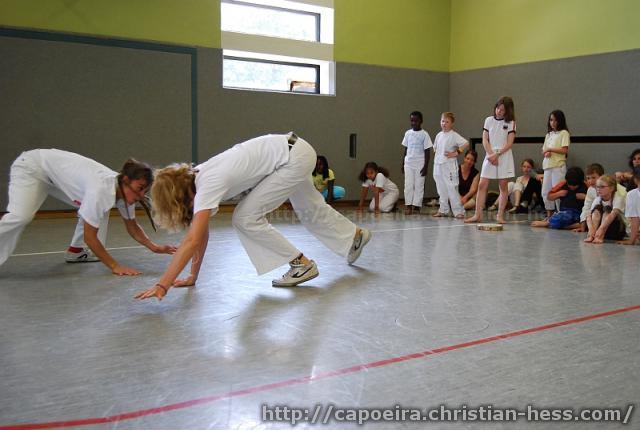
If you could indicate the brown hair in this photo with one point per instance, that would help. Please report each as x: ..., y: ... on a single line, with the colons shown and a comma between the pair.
x: 134, y: 170
x: 594, y: 168
x: 449, y: 115
x: 372, y: 165
x: 170, y: 196
x: 530, y: 161
x: 509, y: 108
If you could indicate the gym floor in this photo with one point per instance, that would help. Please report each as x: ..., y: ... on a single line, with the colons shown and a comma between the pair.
x: 434, y: 312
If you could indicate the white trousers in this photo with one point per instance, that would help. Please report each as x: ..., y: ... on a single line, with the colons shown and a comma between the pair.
x: 413, y: 186
x: 28, y: 189
x: 551, y: 178
x: 387, y: 201
x: 446, y: 177
x: 266, y: 247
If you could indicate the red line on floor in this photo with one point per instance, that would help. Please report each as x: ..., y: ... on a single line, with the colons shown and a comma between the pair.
x: 310, y: 378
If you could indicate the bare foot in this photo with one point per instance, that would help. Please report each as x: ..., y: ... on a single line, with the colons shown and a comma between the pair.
x: 460, y: 216
x: 589, y: 239
x: 473, y: 219
x: 439, y: 215
x: 501, y: 221
x: 539, y: 224
x: 598, y: 240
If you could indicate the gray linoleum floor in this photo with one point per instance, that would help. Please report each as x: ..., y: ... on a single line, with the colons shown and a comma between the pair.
x: 74, y: 345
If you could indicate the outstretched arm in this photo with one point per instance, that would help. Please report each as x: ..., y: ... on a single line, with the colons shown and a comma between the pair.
x: 195, y: 242
x: 92, y: 241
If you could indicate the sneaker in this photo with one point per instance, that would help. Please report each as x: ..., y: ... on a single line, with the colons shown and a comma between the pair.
x: 297, y: 274
x: 357, y: 245
x: 84, y: 256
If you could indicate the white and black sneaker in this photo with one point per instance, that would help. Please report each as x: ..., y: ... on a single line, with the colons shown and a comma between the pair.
x: 297, y: 274
x: 358, y: 243
x: 84, y: 256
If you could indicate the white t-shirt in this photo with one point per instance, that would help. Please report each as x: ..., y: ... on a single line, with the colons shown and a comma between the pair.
x: 447, y: 142
x: 238, y: 169
x: 498, y: 131
x: 84, y: 183
x: 591, y: 196
x: 416, y: 143
x: 618, y: 202
x: 383, y: 182
x: 632, y: 209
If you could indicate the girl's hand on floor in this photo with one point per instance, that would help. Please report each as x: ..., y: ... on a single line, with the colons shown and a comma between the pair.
x: 124, y: 271
x: 165, y: 249
x: 156, y: 291
x: 189, y: 281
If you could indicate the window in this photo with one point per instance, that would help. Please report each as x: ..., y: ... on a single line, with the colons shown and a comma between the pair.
x: 278, y: 45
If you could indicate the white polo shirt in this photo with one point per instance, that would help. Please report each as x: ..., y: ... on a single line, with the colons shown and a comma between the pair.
x: 499, y: 131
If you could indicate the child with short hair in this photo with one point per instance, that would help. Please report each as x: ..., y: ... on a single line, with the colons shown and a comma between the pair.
x: 385, y: 192
x: 606, y: 220
x: 571, y: 193
x: 447, y: 145
x: 417, y: 144
x: 555, y: 149
x: 632, y: 210
x: 498, y: 136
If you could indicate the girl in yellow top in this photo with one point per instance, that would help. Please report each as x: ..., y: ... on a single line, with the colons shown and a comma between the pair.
x: 554, y: 149
x: 324, y: 181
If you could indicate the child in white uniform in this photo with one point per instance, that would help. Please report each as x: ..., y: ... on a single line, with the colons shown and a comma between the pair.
x: 498, y: 136
x: 85, y: 184
x: 632, y: 210
x: 275, y: 168
x: 554, y: 149
x: 447, y: 145
x: 417, y: 144
x: 385, y: 192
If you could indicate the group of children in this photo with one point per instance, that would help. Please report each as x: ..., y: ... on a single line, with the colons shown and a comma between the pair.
x: 600, y: 205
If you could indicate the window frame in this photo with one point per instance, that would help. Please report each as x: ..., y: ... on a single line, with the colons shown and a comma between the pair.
x: 316, y: 15
x: 316, y: 67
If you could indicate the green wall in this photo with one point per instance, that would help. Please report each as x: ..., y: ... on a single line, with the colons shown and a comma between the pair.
x: 438, y: 35
x: 399, y: 33
x: 185, y: 22
x: 489, y: 33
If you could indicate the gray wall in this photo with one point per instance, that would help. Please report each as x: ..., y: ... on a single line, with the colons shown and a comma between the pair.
x: 599, y: 94
x: 373, y: 102
x: 107, y: 103
x: 110, y: 102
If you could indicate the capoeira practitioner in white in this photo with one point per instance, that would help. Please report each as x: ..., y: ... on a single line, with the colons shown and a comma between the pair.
x: 275, y: 168
x: 85, y: 184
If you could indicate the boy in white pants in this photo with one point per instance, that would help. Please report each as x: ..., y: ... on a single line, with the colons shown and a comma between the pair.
x: 275, y: 168
x: 417, y: 144
x: 447, y: 145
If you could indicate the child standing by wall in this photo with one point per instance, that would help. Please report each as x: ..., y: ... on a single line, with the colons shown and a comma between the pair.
x: 417, y: 144
x: 447, y: 145
x: 554, y: 149
x: 498, y: 135
x: 385, y: 192
x: 606, y: 220
x: 632, y: 210
x: 571, y: 194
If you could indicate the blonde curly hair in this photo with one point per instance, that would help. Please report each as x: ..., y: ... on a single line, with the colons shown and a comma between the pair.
x: 170, y: 197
